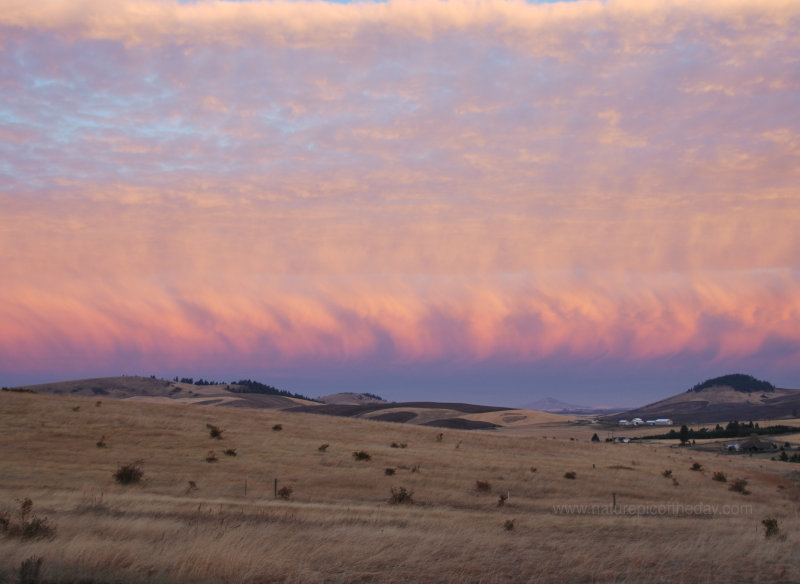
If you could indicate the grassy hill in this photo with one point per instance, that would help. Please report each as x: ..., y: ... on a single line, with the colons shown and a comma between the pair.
x: 191, y: 520
x: 720, y: 400
x: 254, y: 395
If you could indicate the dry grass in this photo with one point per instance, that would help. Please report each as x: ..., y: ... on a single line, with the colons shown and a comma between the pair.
x: 339, y: 524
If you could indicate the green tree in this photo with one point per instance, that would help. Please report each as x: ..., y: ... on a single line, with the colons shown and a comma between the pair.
x: 684, y: 434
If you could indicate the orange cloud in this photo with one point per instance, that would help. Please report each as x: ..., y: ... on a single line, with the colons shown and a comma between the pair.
x: 403, y: 182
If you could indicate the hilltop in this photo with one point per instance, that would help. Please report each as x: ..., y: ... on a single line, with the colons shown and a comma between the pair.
x: 721, y: 399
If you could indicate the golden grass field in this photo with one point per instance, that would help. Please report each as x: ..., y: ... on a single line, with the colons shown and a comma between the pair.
x: 338, y: 524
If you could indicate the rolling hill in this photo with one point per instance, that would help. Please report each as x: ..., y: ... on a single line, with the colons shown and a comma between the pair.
x: 721, y: 399
x: 251, y: 395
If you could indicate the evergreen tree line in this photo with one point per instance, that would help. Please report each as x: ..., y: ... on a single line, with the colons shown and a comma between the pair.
x: 731, y: 430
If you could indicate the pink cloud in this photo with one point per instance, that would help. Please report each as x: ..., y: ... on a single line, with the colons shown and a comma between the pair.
x: 408, y: 182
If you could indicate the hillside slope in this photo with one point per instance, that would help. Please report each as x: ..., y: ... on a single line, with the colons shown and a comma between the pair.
x: 718, y: 403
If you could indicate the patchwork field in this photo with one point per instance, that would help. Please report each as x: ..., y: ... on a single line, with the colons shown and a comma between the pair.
x: 486, y: 506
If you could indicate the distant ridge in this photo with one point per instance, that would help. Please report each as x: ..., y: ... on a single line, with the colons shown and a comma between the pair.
x: 552, y: 405
x: 256, y: 395
x: 734, y: 397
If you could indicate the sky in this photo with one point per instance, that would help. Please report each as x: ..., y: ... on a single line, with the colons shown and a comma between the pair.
x: 483, y: 201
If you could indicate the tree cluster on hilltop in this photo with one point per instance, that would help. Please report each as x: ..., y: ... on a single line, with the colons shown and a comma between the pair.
x: 736, y: 381
x: 249, y: 386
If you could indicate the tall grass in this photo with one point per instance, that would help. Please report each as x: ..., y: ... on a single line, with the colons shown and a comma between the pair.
x: 338, y: 525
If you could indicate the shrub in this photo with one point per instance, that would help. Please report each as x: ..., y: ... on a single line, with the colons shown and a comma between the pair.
x: 401, y: 496
x: 696, y: 466
x: 211, y: 456
x: 323, y: 447
x: 770, y: 527
x: 667, y: 474
x: 29, y: 570
x: 595, y: 437
x: 502, y: 500
x: 739, y: 486
x: 102, y: 442
x: 570, y: 475
x: 389, y: 472
x: 230, y: 452
x: 399, y: 445
x: 285, y: 493
x: 130, y: 473
x: 720, y: 477
x: 483, y: 486
x: 214, y: 431
x: 440, y: 437
x: 509, y: 524
x: 28, y: 525
x: 277, y: 428
x: 361, y: 455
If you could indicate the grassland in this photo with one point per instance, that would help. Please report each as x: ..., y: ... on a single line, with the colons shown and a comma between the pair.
x: 190, y: 520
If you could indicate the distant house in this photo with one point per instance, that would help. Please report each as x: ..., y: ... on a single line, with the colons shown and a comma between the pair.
x: 663, y: 422
x: 624, y: 423
x: 637, y: 421
x: 752, y: 444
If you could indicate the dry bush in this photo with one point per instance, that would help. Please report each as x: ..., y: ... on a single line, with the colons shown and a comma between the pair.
x: 770, y: 527
x: 323, y: 447
x: 102, y: 442
x: 399, y: 445
x: 389, y: 472
x: 129, y: 474
x: 29, y: 570
x: 509, y: 524
x: 26, y: 524
x: 361, y: 455
x: 285, y: 493
x: 667, y: 473
x: 229, y: 452
x: 214, y: 431
x: 696, y: 467
x: 277, y: 427
x: 502, y: 499
x: 739, y: 486
x: 483, y: 486
x: 570, y: 474
x: 211, y: 456
x: 401, y: 496
x: 719, y: 476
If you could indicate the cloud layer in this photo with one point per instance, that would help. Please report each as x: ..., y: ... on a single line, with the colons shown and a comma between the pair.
x: 273, y: 186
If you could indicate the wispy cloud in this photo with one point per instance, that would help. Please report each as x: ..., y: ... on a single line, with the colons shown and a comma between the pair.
x: 271, y: 182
